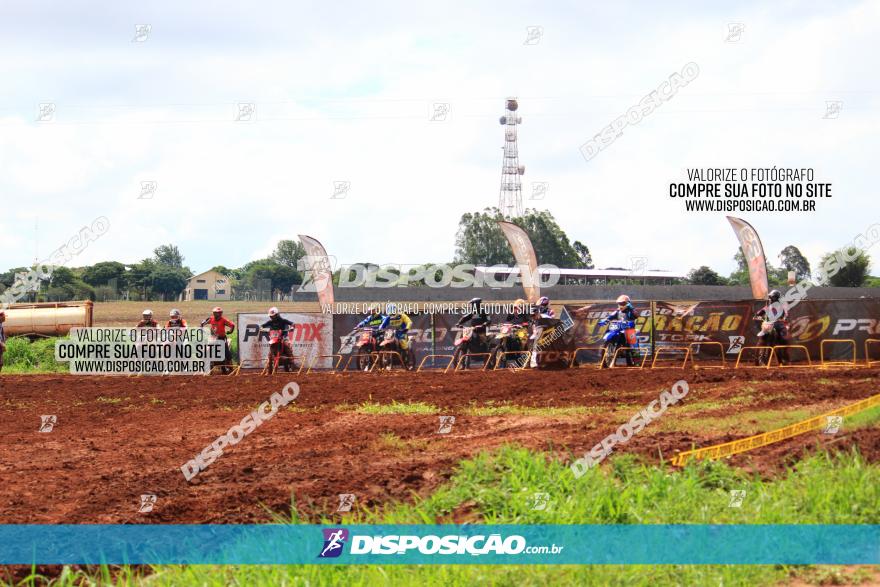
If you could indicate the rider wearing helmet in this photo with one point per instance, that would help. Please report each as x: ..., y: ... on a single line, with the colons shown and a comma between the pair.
x: 775, y: 311
x: 543, y: 308
x: 375, y: 319
x: 276, y: 321
x: 400, y: 322
x: 147, y: 320
x: 476, y: 318
x: 218, y: 325
x: 625, y: 311
x: 175, y: 320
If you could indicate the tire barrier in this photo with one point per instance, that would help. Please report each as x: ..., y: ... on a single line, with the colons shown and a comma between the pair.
x: 759, y: 440
x: 426, y: 357
x: 825, y: 364
x: 759, y: 349
x: 713, y: 344
x: 671, y: 349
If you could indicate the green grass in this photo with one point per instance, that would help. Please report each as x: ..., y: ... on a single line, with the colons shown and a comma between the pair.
x: 744, y: 424
x: 390, y: 440
x: 24, y: 356
x: 392, y: 408
x: 864, y: 419
x: 497, y: 488
x: 552, y: 411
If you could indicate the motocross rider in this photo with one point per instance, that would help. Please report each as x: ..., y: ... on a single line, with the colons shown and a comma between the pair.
x: 543, y: 308
x: 625, y: 312
x: 175, y: 320
x: 400, y: 322
x: 776, y: 313
x: 147, y: 320
x: 374, y: 319
x: 276, y: 321
x: 218, y: 326
x: 477, y: 319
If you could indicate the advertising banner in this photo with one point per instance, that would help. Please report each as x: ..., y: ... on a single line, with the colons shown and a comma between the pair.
x: 311, y: 335
x: 753, y: 251
x: 524, y: 253
x: 318, y: 272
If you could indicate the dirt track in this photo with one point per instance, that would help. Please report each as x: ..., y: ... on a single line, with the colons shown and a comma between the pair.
x: 117, y: 438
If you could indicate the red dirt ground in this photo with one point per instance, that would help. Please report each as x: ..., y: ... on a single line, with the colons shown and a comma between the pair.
x: 117, y: 437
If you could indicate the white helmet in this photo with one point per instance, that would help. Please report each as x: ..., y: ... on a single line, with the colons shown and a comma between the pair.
x: 147, y: 312
x: 622, y: 300
x: 175, y: 313
x: 273, y: 311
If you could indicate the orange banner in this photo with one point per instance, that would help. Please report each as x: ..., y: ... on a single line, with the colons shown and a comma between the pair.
x: 526, y: 259
x: 753, y: 252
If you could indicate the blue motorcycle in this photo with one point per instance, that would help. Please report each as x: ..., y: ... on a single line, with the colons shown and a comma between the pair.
x: 620, y: 334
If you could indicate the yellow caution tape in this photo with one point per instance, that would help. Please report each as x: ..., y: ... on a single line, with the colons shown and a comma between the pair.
x: 752, y: 442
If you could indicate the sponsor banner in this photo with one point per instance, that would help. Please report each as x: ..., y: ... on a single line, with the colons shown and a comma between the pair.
x: 731, y: 324
x: 310, y: 335
x: 649, y: 544
x: 753, y: 251
x: 674, y: 324
x: 524, y: 253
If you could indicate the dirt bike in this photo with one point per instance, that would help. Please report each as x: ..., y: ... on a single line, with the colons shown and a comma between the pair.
x: 620, y: 334
x: 769, y: 337
x: 467, y: 342
x: 510, y: 338
x: 390, y: 342
x: 365, y: 347
x: 280, y: 351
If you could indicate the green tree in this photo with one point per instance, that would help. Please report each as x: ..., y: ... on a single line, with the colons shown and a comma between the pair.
x: 479, y: 239
x: 852, y: 273
x: 792, y: 259
x: 62, y: 276
x: 550, y: 241
x: 741, y: 275
x: 703, y: 275
x: 101, y: 273
x: 168, y: 281
x: 168, y: 255
x: 584, y: 257
x: 278, y: 276
x: 139, y: 279
x: 288, y: 252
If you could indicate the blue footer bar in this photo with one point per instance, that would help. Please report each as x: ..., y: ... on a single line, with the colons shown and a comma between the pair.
x: 440, y: 544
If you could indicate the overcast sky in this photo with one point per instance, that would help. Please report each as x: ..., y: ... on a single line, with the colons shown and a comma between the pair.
x: 345, y: 92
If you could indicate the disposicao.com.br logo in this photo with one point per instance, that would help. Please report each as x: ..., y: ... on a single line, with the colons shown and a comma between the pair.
x: 450, y: 544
